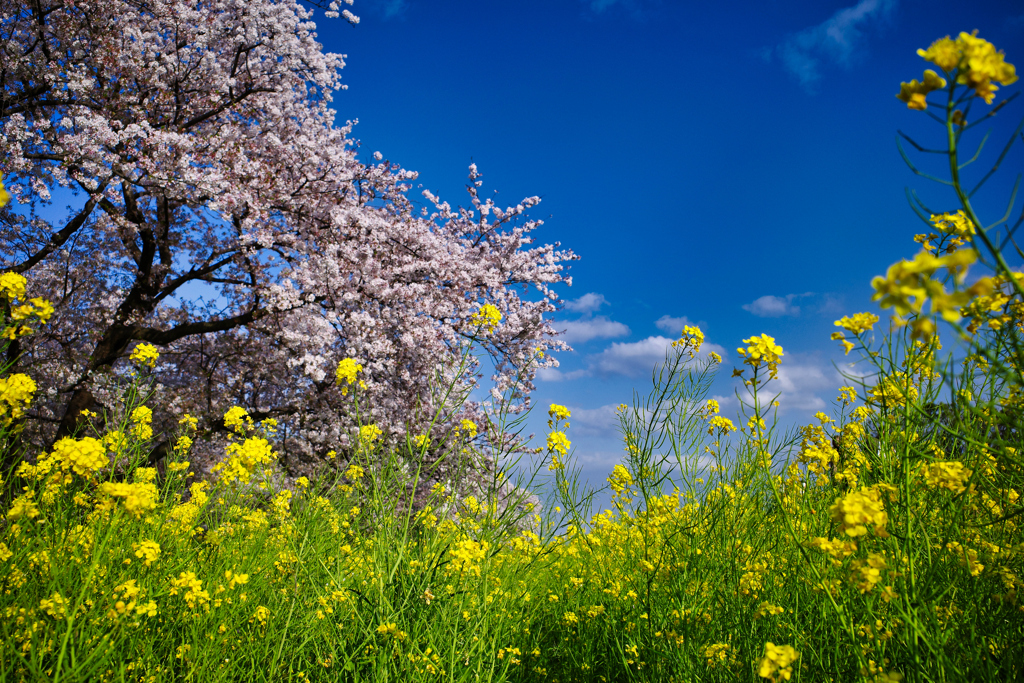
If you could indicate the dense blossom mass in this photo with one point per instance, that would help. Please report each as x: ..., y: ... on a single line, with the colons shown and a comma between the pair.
x: 221, y: 218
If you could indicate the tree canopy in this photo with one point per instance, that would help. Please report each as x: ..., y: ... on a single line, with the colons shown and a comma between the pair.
x: 218, y: 212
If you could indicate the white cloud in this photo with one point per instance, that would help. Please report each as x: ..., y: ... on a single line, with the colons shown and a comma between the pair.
x: 588, y: 303
x: 556, y: 375
x: 807, y: 384
x: 579, y: 331
x: 770, y: 306
x: 834, y: 40
x: 603, y: 421
x: 632, y: 358
x: 667, y: 323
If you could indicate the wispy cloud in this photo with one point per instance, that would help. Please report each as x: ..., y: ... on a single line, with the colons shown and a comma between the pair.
x: 603, y: 421
x: 834, y: 41
x: 807, y: 383
x: 388, y: 9
x: 672, y: 325
x: 588, y: 303
x: 632, y: 359
x: 770, y: 306
x: 556, y: 375
x: 634, y: 7
x: 579, y: 331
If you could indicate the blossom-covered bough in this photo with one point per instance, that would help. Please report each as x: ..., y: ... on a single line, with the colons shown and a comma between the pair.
x: 217, y: 213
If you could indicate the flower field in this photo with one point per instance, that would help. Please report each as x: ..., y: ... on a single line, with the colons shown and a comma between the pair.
x: 880, y: 542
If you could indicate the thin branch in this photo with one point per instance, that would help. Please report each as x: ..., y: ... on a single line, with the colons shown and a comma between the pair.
x: 58, y: 240
x: 918, y: 147
x: 992, y: 112
x: 913, y: 168
x: 999, y: 161
x: 978, y: 151
x: 1009, y: 209
x: 910, y: 200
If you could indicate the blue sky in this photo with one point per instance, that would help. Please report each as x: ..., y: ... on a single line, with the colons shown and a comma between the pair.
x: 728, y: 164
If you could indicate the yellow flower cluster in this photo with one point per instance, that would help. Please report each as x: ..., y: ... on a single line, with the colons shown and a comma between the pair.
x: 893, y: 391
x: 777, y: 662
x: 761, y: 351
x: 914, y: 93
x: 558, y: 443
x: 723, y: 424
x: 954, y: 223
x: 346, y: 374
x: 139, y: 498
x: 557, y: 412
x: 854, y: 511
x: 996, y: 308
x: 368, y: 435
x: 467, y: 554
x: 237, y: 419
x: 144, y: 354
x: 16, y: 392
x: 858, y: 324
x: 55, y: 605
x: 975, y: 61
x: 147, y: 551
x: 620, y: 479
x: 867, y: 573
x: 142, y: 423
x: 84, y: 456
x: 908, y: 285
x: 691, y: 340
x: 487, y: 318
x: 391, y: 629
x: 948, y: 474
x: 13, y: 287
x: 243, y: 459
x: 194, y: 595
x: 468, y: 428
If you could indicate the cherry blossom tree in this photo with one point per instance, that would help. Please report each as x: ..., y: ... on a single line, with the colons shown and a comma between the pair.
x: 217, y: 212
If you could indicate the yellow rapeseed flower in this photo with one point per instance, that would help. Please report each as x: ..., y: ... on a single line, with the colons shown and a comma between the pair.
x: 487, y: 318
x: 947, y: 475
x: 953, y: 223
x: 855, y: 510
x: 16, y: 392
x: 346, y: 373
x: 139, y: 498
x: 777, y: 662
x: 914, y: 93
x: 620, y: 479
x: 237, y: 418
x: 144, y: 355
x: 368, y: 434
x: 142, y: 427
x: 147, y: 551
x: 12, y: 286
x: 557, y: 412
x: 761, y: 350
x: 558, y: 443
x: 84, y: 456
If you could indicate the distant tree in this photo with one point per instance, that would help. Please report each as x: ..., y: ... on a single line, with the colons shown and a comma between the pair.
x: 222, y: 216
